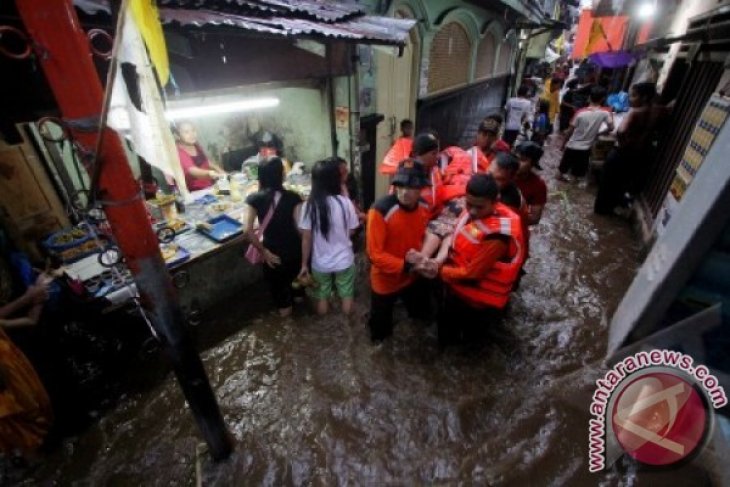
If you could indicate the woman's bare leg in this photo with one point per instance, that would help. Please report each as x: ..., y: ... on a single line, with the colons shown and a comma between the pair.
x: 430, y: 244
x: 443, y: 253
x: 322, y: 306
x: 347, y: 305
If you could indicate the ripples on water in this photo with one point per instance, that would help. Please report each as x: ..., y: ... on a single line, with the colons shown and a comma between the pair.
x: 310, y: 401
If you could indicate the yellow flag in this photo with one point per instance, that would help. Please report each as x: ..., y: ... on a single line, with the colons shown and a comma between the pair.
x: 147, y: 18
x: 594, y: 36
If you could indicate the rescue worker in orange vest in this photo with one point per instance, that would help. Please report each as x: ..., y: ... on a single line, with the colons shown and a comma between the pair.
x: 441, y: 227
x: 396, y: 225
x: 465, y: 163
x: 484, y: 262
x: 426, y: 150
x: 400, y: 150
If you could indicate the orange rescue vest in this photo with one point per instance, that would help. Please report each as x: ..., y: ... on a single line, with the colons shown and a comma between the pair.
x: 462, y: 165
x: 465, y: 162
x: 494, y: 289
x: 400, y: 150
x: 432, y: 194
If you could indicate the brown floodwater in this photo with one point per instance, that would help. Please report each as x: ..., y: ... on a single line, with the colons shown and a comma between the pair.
x: 311, y: 402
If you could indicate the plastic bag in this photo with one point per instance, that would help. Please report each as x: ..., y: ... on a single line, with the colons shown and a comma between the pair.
x: 619, y: 101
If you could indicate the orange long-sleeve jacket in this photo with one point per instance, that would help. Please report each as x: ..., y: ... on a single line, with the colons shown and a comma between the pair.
x: 391, y: 232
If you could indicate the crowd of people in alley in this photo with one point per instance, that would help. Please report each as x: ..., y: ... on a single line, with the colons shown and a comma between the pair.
x: 450, y: 239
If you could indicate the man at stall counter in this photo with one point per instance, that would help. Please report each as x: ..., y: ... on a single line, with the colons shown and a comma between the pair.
x: 396, y: 225
x: 199, y: 171
x: 484, y: 262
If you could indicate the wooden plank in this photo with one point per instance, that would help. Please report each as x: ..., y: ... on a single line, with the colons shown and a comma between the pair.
x: 28, y: 200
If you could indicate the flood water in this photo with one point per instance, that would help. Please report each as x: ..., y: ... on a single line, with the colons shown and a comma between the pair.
x: 311, y: 402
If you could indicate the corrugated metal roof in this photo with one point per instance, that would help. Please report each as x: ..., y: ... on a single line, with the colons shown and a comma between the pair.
x: 325, y: 10
x: 362, y: 28
x: 290, y: 18
x: 328, y: 11
x: 201, y: 18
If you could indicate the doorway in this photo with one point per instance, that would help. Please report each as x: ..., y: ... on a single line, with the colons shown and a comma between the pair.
x: 396, y: 85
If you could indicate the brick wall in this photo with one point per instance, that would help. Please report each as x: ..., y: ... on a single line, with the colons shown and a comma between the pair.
x: 485, y: 57
x: 449, y: 58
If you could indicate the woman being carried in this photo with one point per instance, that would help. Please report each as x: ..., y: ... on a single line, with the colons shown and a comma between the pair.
x: 440, y: 229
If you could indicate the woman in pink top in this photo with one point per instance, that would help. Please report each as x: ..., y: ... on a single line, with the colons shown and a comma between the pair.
x: 199, y: 171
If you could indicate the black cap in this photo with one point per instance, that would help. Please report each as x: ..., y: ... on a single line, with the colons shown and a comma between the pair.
x: 424, y: 143
x: 489, y: 125
x: 532, y: 151
x: 411, y: 173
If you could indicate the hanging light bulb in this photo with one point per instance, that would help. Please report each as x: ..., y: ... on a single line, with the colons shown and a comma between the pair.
x: 646, y: 10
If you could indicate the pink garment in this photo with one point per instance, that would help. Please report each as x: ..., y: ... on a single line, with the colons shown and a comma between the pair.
x: 187, y: 163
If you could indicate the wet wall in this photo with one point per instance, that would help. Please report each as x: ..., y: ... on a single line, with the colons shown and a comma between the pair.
x: 456, y: 115
x: 301, y: 120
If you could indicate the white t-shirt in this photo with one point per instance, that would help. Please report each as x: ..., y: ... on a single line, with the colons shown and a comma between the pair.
x: 516, y: 108
x: 587, y: 123
x: 333, y: 254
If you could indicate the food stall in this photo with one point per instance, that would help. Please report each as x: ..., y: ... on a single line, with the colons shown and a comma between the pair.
x: 307, y: 72
x: 211, y: 225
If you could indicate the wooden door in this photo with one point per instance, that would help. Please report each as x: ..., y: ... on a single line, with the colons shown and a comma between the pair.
x: 29, y: 206
x: 395, y: 102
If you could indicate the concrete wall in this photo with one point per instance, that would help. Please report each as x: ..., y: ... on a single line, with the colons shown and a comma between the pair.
x: 428, y: 78
x: 345, y: 103
x: 301, y: 120
x: 475, y: 21
x: 433, y: 16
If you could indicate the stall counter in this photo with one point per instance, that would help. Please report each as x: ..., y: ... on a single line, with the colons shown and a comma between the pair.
x: 206, y: 257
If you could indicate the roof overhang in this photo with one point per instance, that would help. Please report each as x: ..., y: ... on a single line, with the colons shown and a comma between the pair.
x: 525, y: 9
x: 311, y: 19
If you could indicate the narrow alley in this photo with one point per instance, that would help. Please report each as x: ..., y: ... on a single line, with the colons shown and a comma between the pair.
x: 311, y: 401
x: 364, y: 242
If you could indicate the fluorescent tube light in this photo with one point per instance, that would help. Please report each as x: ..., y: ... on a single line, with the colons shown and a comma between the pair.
x: 220, y: 108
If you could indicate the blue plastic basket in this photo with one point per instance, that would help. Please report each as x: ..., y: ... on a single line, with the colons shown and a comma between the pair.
x: 63, y: 251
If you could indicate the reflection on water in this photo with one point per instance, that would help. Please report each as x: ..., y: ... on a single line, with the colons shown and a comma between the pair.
x: 311, y: 401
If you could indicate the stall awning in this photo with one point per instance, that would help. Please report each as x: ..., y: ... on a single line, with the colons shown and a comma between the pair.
x: 366, y: 29
x: 325, y: 20
x: 598, y: 34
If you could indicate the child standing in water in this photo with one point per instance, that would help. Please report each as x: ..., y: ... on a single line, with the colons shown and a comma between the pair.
x: 327, y: 222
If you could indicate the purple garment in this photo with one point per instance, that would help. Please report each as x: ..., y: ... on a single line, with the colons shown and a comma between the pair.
x: 614, y: 59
